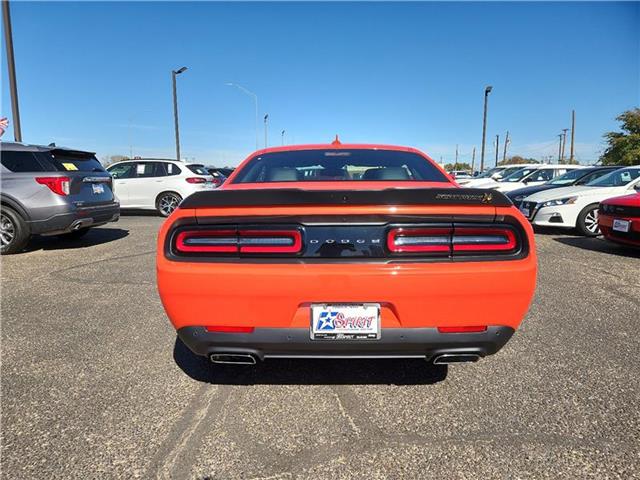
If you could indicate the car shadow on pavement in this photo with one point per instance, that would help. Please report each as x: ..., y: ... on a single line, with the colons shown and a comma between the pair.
x: 597, y: 244
x: 310, y: 372
x: 95, y: 236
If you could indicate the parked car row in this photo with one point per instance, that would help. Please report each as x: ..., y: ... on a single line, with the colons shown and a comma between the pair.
x: 570, y: 196
x: 49, y: 190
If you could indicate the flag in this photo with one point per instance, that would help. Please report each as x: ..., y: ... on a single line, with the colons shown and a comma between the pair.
x: 4, y: 123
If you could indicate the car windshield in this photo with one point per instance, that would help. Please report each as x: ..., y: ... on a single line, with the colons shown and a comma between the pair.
x: 198, y: 169
x: 518, y: 175
x: 339, y: 165
x: 570, y: 177
x: 617, y: 178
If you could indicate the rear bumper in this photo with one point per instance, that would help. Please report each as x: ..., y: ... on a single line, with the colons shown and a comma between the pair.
x: 296, y: 343
x: 631, y: 238
x: 73, y: 218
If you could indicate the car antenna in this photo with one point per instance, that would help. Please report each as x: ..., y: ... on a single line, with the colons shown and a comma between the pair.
x: 336, y: 141
x: 52, y: 144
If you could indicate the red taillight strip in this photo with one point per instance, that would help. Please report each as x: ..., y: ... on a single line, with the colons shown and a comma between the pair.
x: 229, y: 329
x: 483, y: 240
x: 214, y: 241
x: 409, y: 240
x: 465, y: 329
x: 270, y: 241
x: 239, y: 241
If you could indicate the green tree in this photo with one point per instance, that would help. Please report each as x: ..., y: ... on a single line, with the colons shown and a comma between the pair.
x: 517, y: 159
x: 624, y: 146
x: 457, y: 166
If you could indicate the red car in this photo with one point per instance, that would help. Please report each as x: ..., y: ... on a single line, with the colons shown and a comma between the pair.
x: 345, y: 251
x: 619, y: 219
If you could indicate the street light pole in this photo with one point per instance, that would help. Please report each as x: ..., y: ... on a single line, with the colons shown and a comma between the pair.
x: 487, y: 90
x: 174, y: 74
x: 255, y: 101
x: 8, y: 40
x: 497, y: 148
x: 564, y: 142
x: 559, y: 146
x: 266, y: 127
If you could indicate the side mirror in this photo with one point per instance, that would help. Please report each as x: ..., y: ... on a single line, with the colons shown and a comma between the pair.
x: 636, y: 187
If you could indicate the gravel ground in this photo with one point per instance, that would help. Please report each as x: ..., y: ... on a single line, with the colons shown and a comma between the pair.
x: 94, y: 383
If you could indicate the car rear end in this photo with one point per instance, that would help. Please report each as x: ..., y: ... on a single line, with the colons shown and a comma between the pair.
x: 444, y: 274
x: 619, y: 219
x: 199, y: 178
x: 60, y: 190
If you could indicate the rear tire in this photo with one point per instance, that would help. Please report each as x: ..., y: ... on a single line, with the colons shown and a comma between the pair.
x: 587, y: 223
x: 75, y: 234
x: 167, y: 202
x: 14, y: 233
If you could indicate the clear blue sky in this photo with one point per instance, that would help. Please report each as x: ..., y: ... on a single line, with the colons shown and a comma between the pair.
x: 97, y: 75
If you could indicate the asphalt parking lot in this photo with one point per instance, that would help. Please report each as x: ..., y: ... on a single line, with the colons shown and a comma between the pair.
x: 95, y: 385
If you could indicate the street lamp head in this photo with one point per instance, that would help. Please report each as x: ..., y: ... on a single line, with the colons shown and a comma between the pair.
x: 488, y: 89
x: 266, y: 117
x: 180, y: 70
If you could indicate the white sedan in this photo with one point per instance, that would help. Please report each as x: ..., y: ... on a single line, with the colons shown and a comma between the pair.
x: 491, y: 178
x: 151, y: 184
x: 533, y: 176
x: 577, y: 207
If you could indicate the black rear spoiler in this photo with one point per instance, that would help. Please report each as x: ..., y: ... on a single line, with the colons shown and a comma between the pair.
x: 390, y: 196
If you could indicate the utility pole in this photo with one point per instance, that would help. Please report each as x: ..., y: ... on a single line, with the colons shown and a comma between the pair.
x: 487, y: 90
x: 266, y: 118
x: 573, y: 134
x: 506, y: 143
x: 174, y: 74
x: 456, y: 165
x: 11, y: 66
x: 473, y: 160
x: 497, y: 148
x: 564, y: 141
x: 559, y: 146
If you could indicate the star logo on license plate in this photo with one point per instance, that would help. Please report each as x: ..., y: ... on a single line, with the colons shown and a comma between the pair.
x: 325, y: 321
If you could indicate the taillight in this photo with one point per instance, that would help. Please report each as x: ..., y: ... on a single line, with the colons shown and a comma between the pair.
x: 452, y: 241
x: 414, y: 240
x: 478, y: 240
x: 58, y: 185
x: 196, y: 180
x: 236, y: 241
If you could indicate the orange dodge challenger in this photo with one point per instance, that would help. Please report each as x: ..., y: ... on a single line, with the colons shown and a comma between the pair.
x: 345, y: 251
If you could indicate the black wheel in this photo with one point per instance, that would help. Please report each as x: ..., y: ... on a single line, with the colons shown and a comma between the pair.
x: 167, y: 202
x: 587, y: 223
x: 75, y: 234
x: 14, y: 233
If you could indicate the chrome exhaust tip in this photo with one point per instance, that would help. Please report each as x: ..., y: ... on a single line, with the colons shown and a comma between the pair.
x: 233, y: 358
x: 449, y: 358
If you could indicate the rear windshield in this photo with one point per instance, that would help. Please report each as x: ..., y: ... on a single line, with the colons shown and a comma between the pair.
x: 54, y: 161
x: 198, y: 169
x: 339, y: 165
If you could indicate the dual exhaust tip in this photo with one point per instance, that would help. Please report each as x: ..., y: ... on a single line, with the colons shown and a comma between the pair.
x: 450, y: 358
x: 233, y: 358
x: 249, y: 359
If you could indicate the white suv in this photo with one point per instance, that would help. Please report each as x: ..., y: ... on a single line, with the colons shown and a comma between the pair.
x: 157, y: 184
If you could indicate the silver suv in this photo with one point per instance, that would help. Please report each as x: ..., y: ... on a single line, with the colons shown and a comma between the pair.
x: 51, y: 191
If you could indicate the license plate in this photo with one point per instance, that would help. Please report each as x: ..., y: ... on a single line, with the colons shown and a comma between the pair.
x: 525, y: 211
x: 345, y: 322
x: 97, y: 188
x: 621, y: 225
